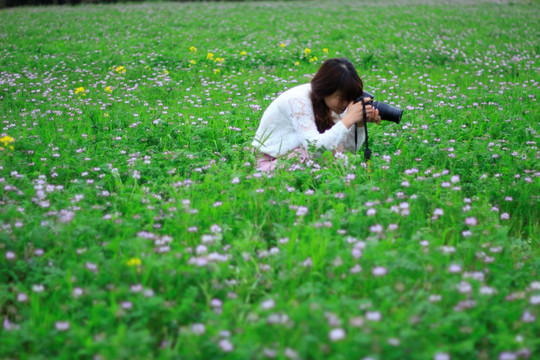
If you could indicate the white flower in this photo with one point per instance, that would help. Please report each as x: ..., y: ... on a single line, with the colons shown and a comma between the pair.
x: 308, y: 262
x: 534, y: 300
x: 198, y: 329
x: 201, y: 249
x: 9, y: 326
x: 77, y: 292
x: 438, y: 212
x: 62, y: 325
x: 356, y: 269
x: 127, y: 305
x: 356, y: 253
x: 486, y: 290
x: 268, y: 304
x: 336, y: 334
x: 301, y: 211
x: 528, y: 317
x: 454, y: 268
x: 507, y: 356
x: 377, y: 228
x: 226, y: 345
x: 379, y: 271
x: 373, y: 315
x: 441, y: 356
x: 270, y: 353
x: 464, y: 287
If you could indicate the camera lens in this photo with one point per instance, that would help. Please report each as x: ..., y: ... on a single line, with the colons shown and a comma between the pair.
x: 387, y: 112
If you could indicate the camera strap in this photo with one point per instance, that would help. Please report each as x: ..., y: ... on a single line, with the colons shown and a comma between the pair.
x: 367, y: 151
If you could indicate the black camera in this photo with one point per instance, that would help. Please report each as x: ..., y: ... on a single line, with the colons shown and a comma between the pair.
x: 386, y: 112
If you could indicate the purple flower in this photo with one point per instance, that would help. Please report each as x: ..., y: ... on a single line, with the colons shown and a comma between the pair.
x: 373, y: 316
x: 441, y: 356
x: 127, y: 305
x: 379, y: 271
x: 534, y: 300
x: 528, y: 317
x: 377, y: 228
x: 506, y: 355
x: 62, y: 325
x: 226, y: 345
x: 268, y: 304
x: 301, y: 211
x: 336, y: 334
x: 198, y: 329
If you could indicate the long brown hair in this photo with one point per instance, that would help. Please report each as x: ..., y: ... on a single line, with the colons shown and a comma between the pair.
x: 334, y: 75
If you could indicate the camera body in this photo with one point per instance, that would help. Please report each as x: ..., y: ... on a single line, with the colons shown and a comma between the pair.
x: 386, y: 112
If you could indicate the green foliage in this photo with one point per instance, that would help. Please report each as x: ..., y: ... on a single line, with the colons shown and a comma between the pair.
x: 135, y: 224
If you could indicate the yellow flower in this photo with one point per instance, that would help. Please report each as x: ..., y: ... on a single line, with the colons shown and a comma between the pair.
x: 210, y: 56
x: 218, y: 59
x: 307, y: 51
x: 296, y: 63
x: 217, y: 71
x: 166, y: 72
x: 314, y: 58
x: 105, y: 115
x: 193, y: 50
x: 7, y: 140
x: 282, y: 45
x: 134, y: 262
x: 119, y: 69
x: 80, y: 90
x: 325, y: 51
x: 243, y: 53
x: 108, y: 89
x: 193, y: 62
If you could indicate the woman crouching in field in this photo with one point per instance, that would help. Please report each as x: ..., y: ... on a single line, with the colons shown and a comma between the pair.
x: 321, y: 113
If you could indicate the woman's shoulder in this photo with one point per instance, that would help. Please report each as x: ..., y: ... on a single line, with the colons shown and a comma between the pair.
x: 295, y: 94
x: 299, y: 90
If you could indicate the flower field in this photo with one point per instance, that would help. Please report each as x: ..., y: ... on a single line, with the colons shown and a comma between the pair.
x: 134, y: 224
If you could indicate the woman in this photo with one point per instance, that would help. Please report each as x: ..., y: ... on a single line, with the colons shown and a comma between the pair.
x: 321, y: 113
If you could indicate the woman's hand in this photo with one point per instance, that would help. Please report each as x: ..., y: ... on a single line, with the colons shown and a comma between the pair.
x: 355, y: 114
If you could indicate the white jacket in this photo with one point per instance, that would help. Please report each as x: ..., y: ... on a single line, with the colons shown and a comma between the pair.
x: 289, y: 123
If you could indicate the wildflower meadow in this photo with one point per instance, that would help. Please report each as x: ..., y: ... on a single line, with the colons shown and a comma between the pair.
x: 135, y: 225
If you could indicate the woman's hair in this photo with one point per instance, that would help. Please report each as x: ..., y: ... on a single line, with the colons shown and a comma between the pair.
x: 334, y: 75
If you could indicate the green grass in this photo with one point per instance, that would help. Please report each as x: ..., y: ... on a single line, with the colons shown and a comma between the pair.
x: 134, y: 224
